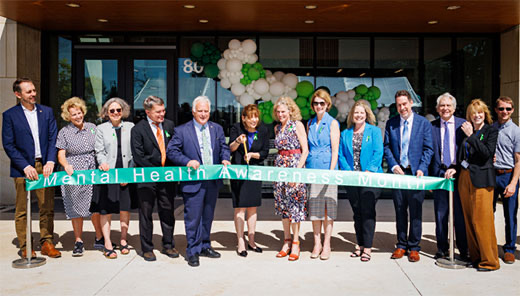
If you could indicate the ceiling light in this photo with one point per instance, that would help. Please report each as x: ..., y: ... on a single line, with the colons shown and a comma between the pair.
x: 453, y: 7
x: 398, y: 71
x: 339, y: 70
x: 362, y: 74
x: 433, y: 22
x: 102, y: 20
x: 309, y: 22
x: 203, y: 21
x: 189, y: 6
x: 308, y: 74
x: 311, y: 6
x: 73, y: 5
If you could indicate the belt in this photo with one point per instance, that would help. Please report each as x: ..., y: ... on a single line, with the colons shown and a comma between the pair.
x: 289, y: 152
x: 501, y: 171
x: 38, y: 159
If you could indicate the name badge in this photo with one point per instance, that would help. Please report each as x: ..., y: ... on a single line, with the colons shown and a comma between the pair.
x: 465, y: 164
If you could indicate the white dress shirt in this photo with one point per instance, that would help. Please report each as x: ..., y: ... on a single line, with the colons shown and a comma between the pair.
x: 32, y: 119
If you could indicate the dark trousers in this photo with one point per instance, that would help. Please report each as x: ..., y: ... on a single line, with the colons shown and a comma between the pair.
x: 164, y: 194
x: 408, y: 201
x: 363, y: 202
x: 510, y: 205
x: 45, y: 198
x: 442, y: 209
x: 199, y: 209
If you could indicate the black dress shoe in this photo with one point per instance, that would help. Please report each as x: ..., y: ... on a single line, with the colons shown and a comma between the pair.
x: 193, y: 261
x: 149, y: 256
x: 242, y: 254
x: 482, y: 269
x: 172, y: 252
x: 256, y: 250
x: 209, y: 252
x: 441, y: 254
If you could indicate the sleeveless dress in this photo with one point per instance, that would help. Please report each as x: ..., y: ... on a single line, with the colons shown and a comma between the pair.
x: 289, y: 201
x: 321, y: 196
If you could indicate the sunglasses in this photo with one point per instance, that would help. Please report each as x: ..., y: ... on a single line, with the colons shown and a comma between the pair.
x: 506, y: 108
x: 118, y: 110
x: 319, y: 103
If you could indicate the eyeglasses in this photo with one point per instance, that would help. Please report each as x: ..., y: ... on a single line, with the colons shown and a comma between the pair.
x: 319, y: 103
x: 118, y: 110
x: 504, y: 108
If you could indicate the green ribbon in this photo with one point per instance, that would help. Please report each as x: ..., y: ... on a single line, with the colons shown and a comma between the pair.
x: 241, y: 172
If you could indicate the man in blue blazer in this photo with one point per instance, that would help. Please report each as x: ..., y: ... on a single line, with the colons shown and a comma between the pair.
x: 29, y: 139
x: 408, y: 150
x: 197, y: 142
x: 447, y: 137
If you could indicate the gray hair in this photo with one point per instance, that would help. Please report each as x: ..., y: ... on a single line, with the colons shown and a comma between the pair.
x: 103, y: 114
x: 150, y: 101
x: 447, y: 95
x: 200, y: 99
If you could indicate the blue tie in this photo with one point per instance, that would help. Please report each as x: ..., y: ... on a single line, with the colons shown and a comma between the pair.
x: 405, y: 140
x: 446, y: 156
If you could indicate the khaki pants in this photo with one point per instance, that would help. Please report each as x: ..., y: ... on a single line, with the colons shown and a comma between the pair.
x: 477, y: 205
x: 45, y: 204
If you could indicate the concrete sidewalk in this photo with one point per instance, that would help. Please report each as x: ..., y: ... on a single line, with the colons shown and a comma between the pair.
x: 258, y: 274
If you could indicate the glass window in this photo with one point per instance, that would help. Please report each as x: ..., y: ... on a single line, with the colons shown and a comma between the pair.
x: 474, y: 69
x: 277, y: 53
x: 343, y: 52
x: 437, y: 71
x: 100, y: 85
x: 397, y: 57
x: 150, y: 79
x: 60, y: 74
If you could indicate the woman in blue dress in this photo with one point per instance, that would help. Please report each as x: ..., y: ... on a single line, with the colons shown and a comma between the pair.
x: 323, y: 136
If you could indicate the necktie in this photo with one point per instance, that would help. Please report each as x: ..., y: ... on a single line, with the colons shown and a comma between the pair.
x: 446, y: 156
x: 405, y: 141
x: 160, y: 141
x: 206, y: 151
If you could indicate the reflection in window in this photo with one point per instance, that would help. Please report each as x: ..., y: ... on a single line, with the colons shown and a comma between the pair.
x: 100, y: 85
x: 437, y: 71
x: 286, y: 52
x: 397, y: 57
x: 343, y: 52
x: 60, y: 74
x: 149, y: 80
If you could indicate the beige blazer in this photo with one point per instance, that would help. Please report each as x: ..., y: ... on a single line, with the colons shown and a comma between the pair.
x: 106, y: 144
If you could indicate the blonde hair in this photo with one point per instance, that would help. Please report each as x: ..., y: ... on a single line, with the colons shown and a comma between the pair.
x: 294, y: 111
x: 477, y: 105
x: 73, y: 102
x: 370, y: 115
x: 103, y: 114
x: 322, y: 94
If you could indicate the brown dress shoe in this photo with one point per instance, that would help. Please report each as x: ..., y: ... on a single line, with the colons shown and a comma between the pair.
x: 414, y: 256
x: 398, y: 253
x: 509, y: 258
x: 24, y: 253
x: 49, y: 250
x: 172, y: 252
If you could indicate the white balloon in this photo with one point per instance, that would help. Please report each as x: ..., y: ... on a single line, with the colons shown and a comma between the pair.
x: 274, y: 99
x: 430, y: 117
x: 261, y: 86
x: 234, y: 79
x: 270, y: 78
x: 293, y: 94
x: 385, y: 110
x: 343, y: 108
x: 290, y: 80
x: 376, y: 111
x: 225, y: 83
x: 366, y: 103
x: 278, y: 75
x: 233, y: 65
x: 342, y: 96
x: 249, y: 46
x: 267, y: 96
x: 240, y: 55
x: 224, y: 73
x: 226, y: 54
x: 351, y: 94
x: 253, y: 58
x: 268, y: 73
x: 333, y: 100
x: 234, y: 44
x: 221, y: 64
x: 277, y: 88
x: 246, y: 99
x: 256, y: 96
x: 238, y: 89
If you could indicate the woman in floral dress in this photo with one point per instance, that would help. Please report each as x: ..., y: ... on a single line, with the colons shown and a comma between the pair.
x: 290, y: 198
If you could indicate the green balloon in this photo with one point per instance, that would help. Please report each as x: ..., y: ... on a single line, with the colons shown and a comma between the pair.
x: 197, y: 49
x: 243, y: 81
x: 373, y: 104
x: 306, y: 113
x: 301, y: 102
x: 253, y: 74
x: 357, y: 97
x: 258, y: 66
x: 211, y: 70
x: 304, y: 89
x: 361, y: 89
x: 267, y: 119
x: 375, y: 91
x: 333, y: 111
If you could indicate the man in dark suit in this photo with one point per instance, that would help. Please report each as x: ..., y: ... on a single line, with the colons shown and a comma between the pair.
x: 149, y: 139
x: 29, y: 139
x: 195, y: 142
x: 447, y: 137
x: 408, y: 150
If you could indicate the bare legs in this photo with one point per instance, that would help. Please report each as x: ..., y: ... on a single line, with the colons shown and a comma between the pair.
x: 77, y: 226
x: 124, y: 220
x: 327, y: 229
x: 240, y: 215
x: 97, y: 225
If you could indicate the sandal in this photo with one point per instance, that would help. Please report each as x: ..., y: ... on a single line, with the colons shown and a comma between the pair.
x: 365, y: 257
x: 283, y: 253
x: 293, y: 256
x: 108, y: 254
x: 125, y: 250
x: 356, y: 253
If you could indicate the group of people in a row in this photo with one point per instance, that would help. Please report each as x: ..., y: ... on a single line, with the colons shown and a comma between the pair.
x: 484, y: 158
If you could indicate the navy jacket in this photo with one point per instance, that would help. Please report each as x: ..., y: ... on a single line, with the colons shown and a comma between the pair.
x: 436, y: 164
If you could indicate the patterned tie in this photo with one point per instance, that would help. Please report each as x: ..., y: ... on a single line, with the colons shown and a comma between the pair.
x: 160, y: 141
x: 405, y: 140
x: 206, y: 151
x: 446, y: 155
